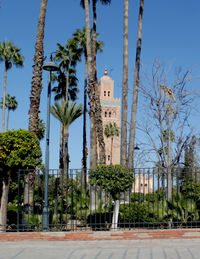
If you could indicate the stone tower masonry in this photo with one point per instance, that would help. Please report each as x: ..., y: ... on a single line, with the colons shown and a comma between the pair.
x: 110, y: 114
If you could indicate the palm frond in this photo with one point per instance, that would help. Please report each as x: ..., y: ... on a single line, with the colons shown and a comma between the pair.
x: 67, y: 112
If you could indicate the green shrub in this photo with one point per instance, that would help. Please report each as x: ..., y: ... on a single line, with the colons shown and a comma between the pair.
x: 113, y: 179
x: 134, y: 212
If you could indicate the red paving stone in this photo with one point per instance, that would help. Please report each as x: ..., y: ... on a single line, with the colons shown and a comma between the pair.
x: 100, y: 235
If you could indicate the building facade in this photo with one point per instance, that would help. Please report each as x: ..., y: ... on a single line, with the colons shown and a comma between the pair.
x: 142, y: 184
x: 110, y: 114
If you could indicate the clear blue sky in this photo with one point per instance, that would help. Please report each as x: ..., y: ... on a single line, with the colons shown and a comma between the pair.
x: 170, y: 30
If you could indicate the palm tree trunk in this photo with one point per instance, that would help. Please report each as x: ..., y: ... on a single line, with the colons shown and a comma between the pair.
x: 84, y: 160
x: 37, y: 71
x: 98, y: 123
x: 111, y: 148
x: 92, y: 103
x: 4, y: 202
x: 93, y: 155
x: 95, y: 105
x: 7, y: 119
x: 123, y: 153
x: 93, y: 142
x: 4, y: 99
x: 37, y: 77
x: 67, y: 84
x: 65, y: 153
x: 61, y: 147
x: 94, y: 37
x: 135, y: 90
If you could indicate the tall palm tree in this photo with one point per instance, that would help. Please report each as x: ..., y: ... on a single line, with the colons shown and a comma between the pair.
x: 136, y: 88
x: 66, y: 113
x: 10, y: 55
x: 37, y: 71
x: 123, y: 153
x: 10, y: 104
x: 60, y: 93
x: 96, y: 125
x: 68, y: 56
x: 36, y: 88
x: 111, y: 130
x: 94, y: 33
x: 60, y: 89
x: 80, y: 37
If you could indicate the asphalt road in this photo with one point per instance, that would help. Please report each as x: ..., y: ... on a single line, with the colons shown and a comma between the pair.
x: 123, y: 249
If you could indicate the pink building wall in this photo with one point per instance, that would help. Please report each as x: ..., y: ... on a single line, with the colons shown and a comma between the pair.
x: 142, y: 184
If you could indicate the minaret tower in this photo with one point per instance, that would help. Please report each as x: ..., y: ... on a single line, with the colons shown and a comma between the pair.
x: 110, y: 114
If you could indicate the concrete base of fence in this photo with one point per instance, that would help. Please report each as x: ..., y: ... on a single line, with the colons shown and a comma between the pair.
x: 102, y: 235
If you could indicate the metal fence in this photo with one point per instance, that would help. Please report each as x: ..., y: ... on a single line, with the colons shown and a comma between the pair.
x: 105, y: 199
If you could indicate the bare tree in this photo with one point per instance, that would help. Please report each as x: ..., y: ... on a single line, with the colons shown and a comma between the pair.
x: 167, y: 123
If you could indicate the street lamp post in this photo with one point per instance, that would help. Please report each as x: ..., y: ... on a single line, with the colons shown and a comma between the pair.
x: 49, y: 66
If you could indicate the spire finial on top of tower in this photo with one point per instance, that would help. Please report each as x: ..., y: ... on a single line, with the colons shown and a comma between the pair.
x: 105, y: 72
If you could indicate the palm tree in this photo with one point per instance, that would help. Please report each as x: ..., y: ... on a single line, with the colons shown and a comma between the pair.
x: 11, y: 104
x: 60, y: 89
x: 37, y: 71
x: 94, y: 2
x: 123, y: 153
x: 94, y: 34
x: 135, y: 90
x: 66, y: 113
x: 96, y: 125
x: 36, y: 88
x: 68, y: 57
x: 111, y: 130
x: 9, y: 54
x: 80, y: 37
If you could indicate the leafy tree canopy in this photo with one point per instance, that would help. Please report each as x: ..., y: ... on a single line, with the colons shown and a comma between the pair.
x: 113, y: 179
x: 19, y: 149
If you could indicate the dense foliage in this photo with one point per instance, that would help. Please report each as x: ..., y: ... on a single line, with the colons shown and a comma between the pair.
x: 19, y: 149
x: 113, y: 179
x: 69, y: 205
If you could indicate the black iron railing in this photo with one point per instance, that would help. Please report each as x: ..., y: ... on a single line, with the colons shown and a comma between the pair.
x: 139, y: 198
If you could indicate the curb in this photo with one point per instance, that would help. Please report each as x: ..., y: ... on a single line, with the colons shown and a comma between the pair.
x: 102, y: 235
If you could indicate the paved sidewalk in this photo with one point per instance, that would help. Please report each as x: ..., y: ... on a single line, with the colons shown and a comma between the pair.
x: 117, y: 249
